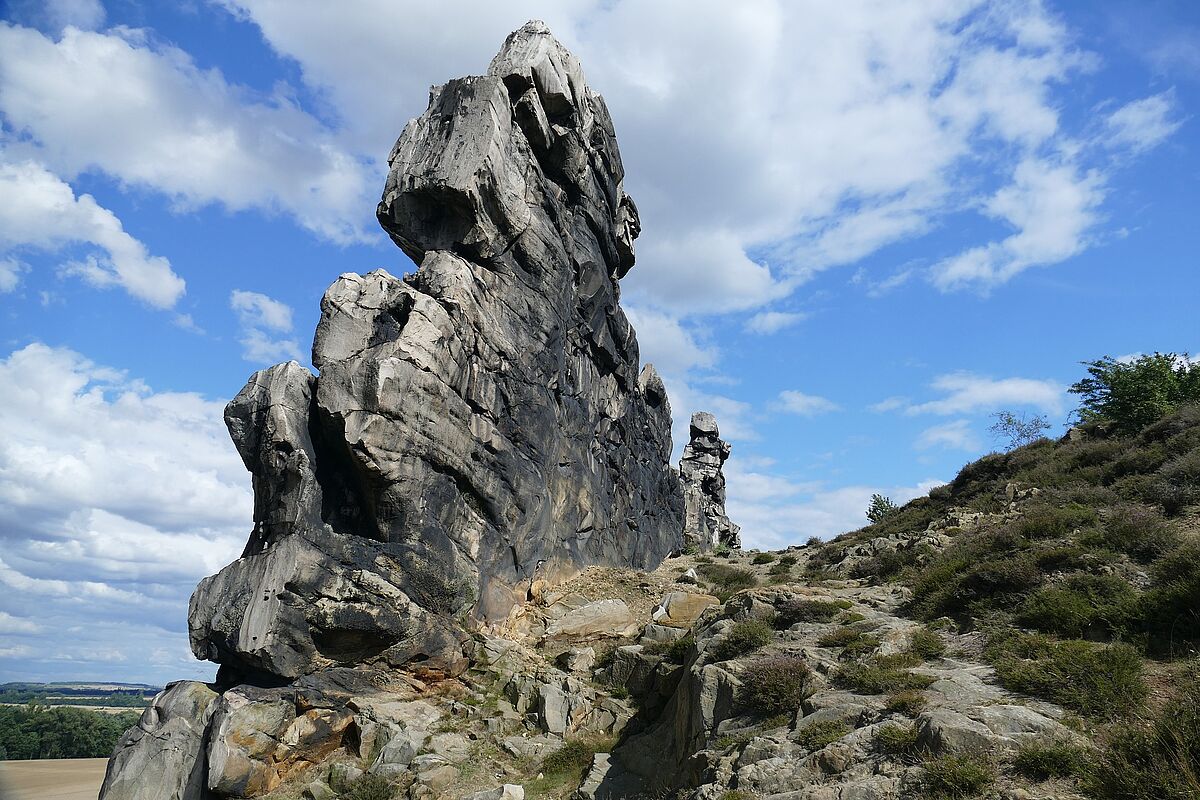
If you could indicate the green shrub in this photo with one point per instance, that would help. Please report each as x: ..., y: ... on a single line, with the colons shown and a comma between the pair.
x: 1096, y: 680
x: 1049, y: 522
x: 1138, y: 531
x: 897, y: 741
x: 787, y: 561
x: 775, y: 684
x: 1042, y: 761
x: 907, y: 702
x: 370, y: 787
x: 1170, y: 612
x: 780, y: 568
x: 575, y: 756
x: 840, y: 637
x: 958, y: 776
x: 794, y: 610
x: 1078, y: 605
x: 727, y: 580
x: 763, y: 558
x: 741, y: 638
x: 1155, y: 759
x: 872, y: 678
x: 816, y: 735
x: 926, y: 644
x: 676, y: 651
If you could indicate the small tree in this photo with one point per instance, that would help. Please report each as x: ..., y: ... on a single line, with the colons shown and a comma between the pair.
x: 1018, y: 429
x: 1132, y: 393
x: 881, y: 508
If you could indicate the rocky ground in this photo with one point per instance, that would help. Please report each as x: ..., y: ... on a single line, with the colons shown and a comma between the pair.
x: 630, y: 684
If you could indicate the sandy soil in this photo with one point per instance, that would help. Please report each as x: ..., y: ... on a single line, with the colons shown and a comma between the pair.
x: 61, y: 779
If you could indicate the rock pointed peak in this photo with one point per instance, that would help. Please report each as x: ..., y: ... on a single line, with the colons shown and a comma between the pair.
x: 701, y: 471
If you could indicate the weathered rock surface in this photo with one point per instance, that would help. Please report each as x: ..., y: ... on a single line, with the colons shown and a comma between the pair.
x: 705, y: 524
x: 168, y: 743
x: 476, y: 426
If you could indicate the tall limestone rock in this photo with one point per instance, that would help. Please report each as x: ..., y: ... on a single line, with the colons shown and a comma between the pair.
x: 705, y: 524
x: 476, y: 425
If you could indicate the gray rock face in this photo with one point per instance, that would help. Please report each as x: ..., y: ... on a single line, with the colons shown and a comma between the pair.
x: 705, y: 524
x: 477, y: 425
x: 169, y: 744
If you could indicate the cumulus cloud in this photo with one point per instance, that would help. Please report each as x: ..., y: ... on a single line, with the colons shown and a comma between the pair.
x: 114, y: 500
x: 904, y: 111
x: 54, y: 15
x: 955, y: 435
x: 768, y: 322
x: 42, y: 211
x: 1143, y: 124
x: 775, y: 512
x: 1054, y: 209
x: 259, y: 317
x: 148, y: 116
x: 965, y: 393
x: 806, y: 405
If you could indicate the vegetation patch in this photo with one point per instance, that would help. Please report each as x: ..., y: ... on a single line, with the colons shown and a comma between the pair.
x: 727, y: 580
x: 1041, y: 761
x: 907, y: 702
x: 775, y: 684
x: 816, y: 735
x: 33, y: 731
x: 926, y: 644
x: 897, y: 741
x: 742, y: 638
x: 875, y: 678
x: 1093, y: 679
x: 370, y: 787
x: 958, y: 776
x: 763, y: 558
x: 795, y: 609
x: 1156, y: 758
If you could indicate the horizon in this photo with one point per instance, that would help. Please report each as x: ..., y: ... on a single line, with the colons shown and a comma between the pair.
x: 864, y: 232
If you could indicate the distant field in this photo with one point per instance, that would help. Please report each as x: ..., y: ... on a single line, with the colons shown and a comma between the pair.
x: 101, y: 709
x: 60, y: 779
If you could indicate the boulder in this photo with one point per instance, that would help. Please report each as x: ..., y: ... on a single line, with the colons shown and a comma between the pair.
x: 479, y: 427
x: 508, y: 791
x: 705, y: 524
x: 168, y: 743
x: 681, y: 609
x: 596, y: 620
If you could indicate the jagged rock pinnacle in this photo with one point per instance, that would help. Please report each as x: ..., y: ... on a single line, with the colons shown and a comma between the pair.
x: 705, y: 524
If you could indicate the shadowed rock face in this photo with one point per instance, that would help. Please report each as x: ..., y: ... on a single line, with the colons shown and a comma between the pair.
x: 705, y: 524
x: 476, y: 425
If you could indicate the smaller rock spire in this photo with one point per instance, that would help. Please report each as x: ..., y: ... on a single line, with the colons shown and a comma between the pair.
x: 705, y: 525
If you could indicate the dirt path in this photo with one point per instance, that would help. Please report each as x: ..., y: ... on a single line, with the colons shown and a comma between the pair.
x: 59, y: 779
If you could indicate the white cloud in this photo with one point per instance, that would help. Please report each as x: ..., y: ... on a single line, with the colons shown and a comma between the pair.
x: 1054, y: 209
x: 11, y: 624
x: 147, y: 115
x: 258, y: 315
x: 114, y: 501
x: 667, y: 344
x: 806, y: 405
x: 893, y: 403
x: 904, y: 109
x: 259, y: 311
x: 966, y: 393
x: 768, y: 322
x: 42, y: 211
x: 10, y: 274
x: 955, y: 435
x: 1143, y: 124
x: 775, y: 511
x: 54, y: 15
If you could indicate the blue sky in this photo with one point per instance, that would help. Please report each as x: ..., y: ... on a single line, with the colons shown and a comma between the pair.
x: 867, y: 226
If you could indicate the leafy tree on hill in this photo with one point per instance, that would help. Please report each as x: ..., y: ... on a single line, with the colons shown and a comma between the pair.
x: 1132, y: 393
x: 881, y: 508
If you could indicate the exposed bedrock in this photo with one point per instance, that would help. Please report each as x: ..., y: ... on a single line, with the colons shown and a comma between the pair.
x: 476, y: 425
x: 705, y: 524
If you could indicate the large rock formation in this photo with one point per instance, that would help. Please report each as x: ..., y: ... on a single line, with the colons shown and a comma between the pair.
x: 705, y: 524
x: 477, y: 425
